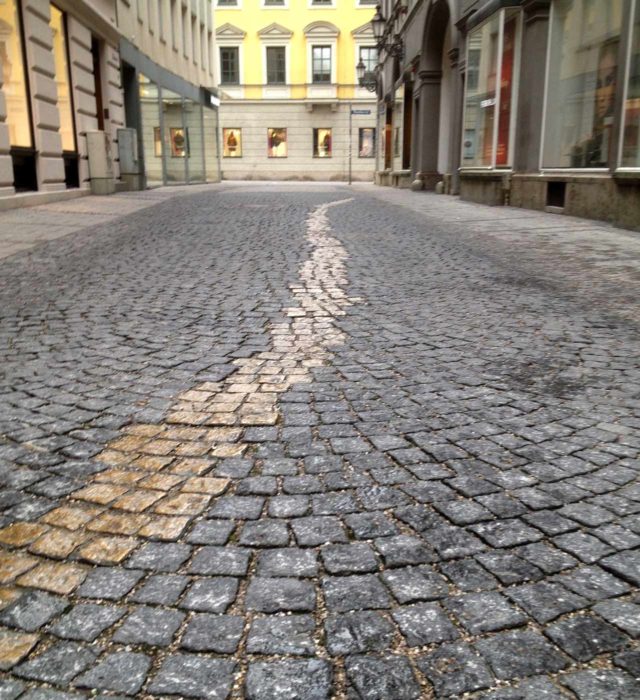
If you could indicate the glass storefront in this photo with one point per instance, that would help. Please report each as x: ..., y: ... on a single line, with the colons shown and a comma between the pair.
x: 584, y: 50
x: 192, y: 112
x: 631, y: 129
x: 492, y: 67
x: 63, y: 83
x: 151, y: 131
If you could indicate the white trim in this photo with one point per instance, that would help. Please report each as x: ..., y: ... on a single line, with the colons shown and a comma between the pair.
x: 234, y: 90
x: 625, y: 92
x: 574, y: 171
x: 515, y: 90
x: 330, y: 89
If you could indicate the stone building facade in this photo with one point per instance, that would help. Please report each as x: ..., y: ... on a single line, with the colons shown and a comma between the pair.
x: 533, y: 103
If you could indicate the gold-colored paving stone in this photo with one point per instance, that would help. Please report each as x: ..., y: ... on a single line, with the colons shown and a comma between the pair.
x: 183, y: 504
x: 19, y: 534
x: 191, y: 466
x: 113, y: 457
x: 118, y: 524
x: 119, y: 476
x: 224, y: 405
x: 185, y: 433
x: 130, y: 443
x: 56, y: 578
x: 137, y: 501
x: 222, y: 419
x: 160, y: 447
x: 13, y: 565
x: 192, y: 449
x: 144, y: 429
x: 195, y: 395
x: 164, y: 528
x: 223, y: 434
x: 228, y: 450
x: 152, y: 464
x: 108, y: 550
x: 204, y: 484
x: 58, y: 543
x: 71, y: 517
x: 259, y: 419
x: 100, y: 493
x: 163, y: 482
x: 8, y: 595
x: 14, y: 646
x: 210, y: 386
x: 188, y: 417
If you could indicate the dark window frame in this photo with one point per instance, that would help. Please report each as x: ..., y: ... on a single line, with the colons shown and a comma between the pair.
x: 236, y: 69
x: 276, y: 75
x: 318, y: 65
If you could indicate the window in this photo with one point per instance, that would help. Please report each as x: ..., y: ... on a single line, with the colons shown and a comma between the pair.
x: 273, y: 3
x: 490, y: 97
x: 277, y: 143
x: 229, y: 65
x: 185, y: 33
x: 174, y: 24
x: 161, y: 19
x: 321, y: 3
x: 369, y: 57
x: 321, y: 64
x: 63, y: 82
x: 227, y: 3
x: 232, y: 143
x: 276, y: 65
x: 368, y: 2
x: 631, y: 127
x: 584, y: 43
x: 322, y: 143
x: 366, y: 142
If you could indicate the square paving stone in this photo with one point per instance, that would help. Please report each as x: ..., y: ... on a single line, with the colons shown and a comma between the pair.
x: 453, y: 542
x: 280, y: 467
x: 468, y: 575
x: 629, y: 660
x: 289, y: 506
x: 584, y: 636
x: 237, y: 508
x: 585, y: 547
x: 275, y: 634
x: 550, y: 522
x: 163, y: 589
x: 221, y: 561
x: 521, y: 653
x: 302, y: 484
x: 463, y: 512
x: 346, y: 593
x: 506, y: 533
x: 217, y: 633
x: 455, y: 669
x: 49, y: 694
x: 317, y: 530
x: 545, y: 601
x: 546, y: 557
x: 257, y: 486
x: 402, y: 550
x: 211, y: 595
x: 265, y: 533
x: 234, y: 468
x: 593, y: 583
x: 194, y: 676
x: 287, y: 562
x: 424, y: 623
x: 152, y: 626
x: 58, y: 664
x: 509, y: 568
x: 358, y: 633
x: 87, y: 621
x: 211, y: 532
x: 109, y: 583
x: 602, y: 684
x: 485, y: 612
x: 349, y: 558
x: 32, y: 610
x: 367, y: 526
x: 412, y: 584
x: 376, y: 678
x: 10, y: 688
x: 272, y: 595
x: 289, y: 680
x: 121, y: 672
x: 626, y: 565
x: 622, y: 614
x: 161, y: 557
x: 537, y: 688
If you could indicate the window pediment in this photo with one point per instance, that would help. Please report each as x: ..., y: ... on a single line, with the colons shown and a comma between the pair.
x: 275, y: 31
x: 363, y: 32
x: 321, y: 30
x: 230, y: 31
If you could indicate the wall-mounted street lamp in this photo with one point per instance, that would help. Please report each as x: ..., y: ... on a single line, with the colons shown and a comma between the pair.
x: 367, y: 79
x: 383, y: 31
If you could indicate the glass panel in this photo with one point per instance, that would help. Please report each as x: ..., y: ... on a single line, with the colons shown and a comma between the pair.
x: 369, y: 56
x: 151, y: 136
x: 176, y: 139
x: 584, y: 42
x: 276, y: 65
x: 631, y: 135
x: 15, y: 88
x: 232, y: 143
x: 480, y: 98
x: 321, y: 64
x: 322, y: 143
x: 277, y: 143
x: 194, y: 139
x: 229, y: 62
x: 211, y: 145
x: 366, y: 142
x: 506, y: 89
x: 65, y: 107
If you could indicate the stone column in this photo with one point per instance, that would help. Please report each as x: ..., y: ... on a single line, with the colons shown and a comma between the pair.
x: 427, y: 162
x: 457, y: 110
x: 6, y: 164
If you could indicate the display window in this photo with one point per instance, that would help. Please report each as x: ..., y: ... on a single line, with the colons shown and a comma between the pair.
x: 582, y: 81
x: 630, y: 151
x: 322, y: 143
x: 277, y: 142
x: 493, y: 58
x: 232, y: 143
x: 366, y: 142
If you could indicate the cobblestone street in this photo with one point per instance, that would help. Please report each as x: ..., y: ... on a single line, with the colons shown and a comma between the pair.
x: 297, y: 441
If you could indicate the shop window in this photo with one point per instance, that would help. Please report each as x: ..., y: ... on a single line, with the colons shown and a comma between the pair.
x: 366, y: 142
x: 229, y: 65
x: 490, y: 97
x: 232, y: 143
x: 584, y: 44
x: 322, y: 143
x: 631, y: 130
x: 276, y: 65
x: 277, y: 142
x: 321, y: 64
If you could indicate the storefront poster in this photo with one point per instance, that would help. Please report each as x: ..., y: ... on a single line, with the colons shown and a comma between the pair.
x: 232, y: 143
x: 179, y: 142
x: 277, y: 142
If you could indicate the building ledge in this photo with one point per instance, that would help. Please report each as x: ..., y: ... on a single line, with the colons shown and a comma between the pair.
x: 32, y: 199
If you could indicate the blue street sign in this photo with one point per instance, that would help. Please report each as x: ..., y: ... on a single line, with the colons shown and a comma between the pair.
x: 360, y: 111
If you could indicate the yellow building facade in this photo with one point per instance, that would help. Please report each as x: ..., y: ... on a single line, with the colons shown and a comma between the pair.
x: 287, y: 76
